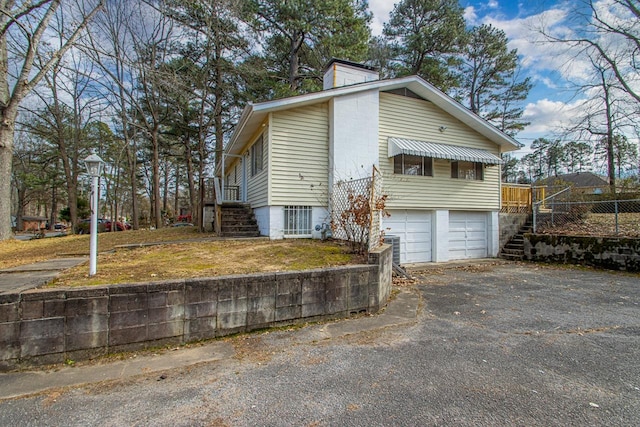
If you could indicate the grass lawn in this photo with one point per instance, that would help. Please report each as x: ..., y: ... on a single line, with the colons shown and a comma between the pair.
x: 174, y: 260
x: 598, y: 224
x: 17, y: 252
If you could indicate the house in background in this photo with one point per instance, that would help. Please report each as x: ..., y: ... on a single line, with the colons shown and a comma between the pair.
x: 33, y: 223
x: 584, y: 182
x: 440, y: 162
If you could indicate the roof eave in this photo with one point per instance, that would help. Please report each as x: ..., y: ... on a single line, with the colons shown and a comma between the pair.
x: 415, y: 83
x: 229, y: 149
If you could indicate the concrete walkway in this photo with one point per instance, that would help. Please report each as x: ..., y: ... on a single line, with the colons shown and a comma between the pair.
x: 24, y: 277
x: 402, y: 310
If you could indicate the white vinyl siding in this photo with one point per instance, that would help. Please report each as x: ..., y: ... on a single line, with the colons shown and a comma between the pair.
x: 300, y: 156
x: 420, y: 120
x: 257, y: 192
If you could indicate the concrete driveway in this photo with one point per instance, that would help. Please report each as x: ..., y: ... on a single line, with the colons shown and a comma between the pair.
x: 504, y: 344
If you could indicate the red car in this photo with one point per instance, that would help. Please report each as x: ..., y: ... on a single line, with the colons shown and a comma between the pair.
x: 119, y: 226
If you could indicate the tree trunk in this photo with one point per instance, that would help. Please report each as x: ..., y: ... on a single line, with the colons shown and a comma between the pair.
x: 610, y: 142
x: 131, y: 159
x: 6, y: 156
x: 165, y: 187
x: 192, y: 190
x: 176, y: 197
x: 294, y: 60
x: 21, y: 192
x: 54, y: 208
x: 157, y: 208
x: 116, y: 191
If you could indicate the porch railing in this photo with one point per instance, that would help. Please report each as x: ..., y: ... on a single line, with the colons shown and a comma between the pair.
x: 232, y: 192
x: 520, y: 198
x: 516, y: 198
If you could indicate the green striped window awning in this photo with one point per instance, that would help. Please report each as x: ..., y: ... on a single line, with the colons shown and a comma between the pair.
x: 436, y: 150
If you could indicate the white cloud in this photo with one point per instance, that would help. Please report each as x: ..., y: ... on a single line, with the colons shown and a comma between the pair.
x: 470, y: 15
x: 492, y: 4
x: 537, y: 54
x: 380, y: 10
x: 551, y: 119
x: 546, y: 116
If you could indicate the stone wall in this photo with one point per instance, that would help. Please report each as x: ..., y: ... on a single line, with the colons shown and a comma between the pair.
x: 602, y: 252
x: 51, y: 325
x: 510, y: 223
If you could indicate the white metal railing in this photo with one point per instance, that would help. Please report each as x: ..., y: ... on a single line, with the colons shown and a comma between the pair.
x: 538, y: 204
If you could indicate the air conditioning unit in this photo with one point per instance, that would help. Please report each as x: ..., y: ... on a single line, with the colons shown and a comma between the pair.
x: 394, y: 241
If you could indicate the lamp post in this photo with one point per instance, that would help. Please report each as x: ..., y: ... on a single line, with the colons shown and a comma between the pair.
x: 94, y: 165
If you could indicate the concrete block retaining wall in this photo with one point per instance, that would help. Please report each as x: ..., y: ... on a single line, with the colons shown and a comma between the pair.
x: 510, y: 224
x: 51, y: 325
x: 602, y: 252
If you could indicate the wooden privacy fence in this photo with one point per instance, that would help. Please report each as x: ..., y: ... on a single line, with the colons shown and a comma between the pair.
x: 519, y: 198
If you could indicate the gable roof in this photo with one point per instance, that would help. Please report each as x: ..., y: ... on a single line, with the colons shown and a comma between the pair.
x: 254, y: 114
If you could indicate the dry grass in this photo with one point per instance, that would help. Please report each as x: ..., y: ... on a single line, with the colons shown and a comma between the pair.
x: 170, y: 260
x: 597, y: 224
x: 17, y: 252
x: 213, y: 258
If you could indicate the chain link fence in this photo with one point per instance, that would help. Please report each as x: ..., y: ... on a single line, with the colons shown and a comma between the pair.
x: 357, y: 207
x: 564, y: 214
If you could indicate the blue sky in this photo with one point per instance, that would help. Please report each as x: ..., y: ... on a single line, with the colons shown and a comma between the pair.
x: 550, y: 102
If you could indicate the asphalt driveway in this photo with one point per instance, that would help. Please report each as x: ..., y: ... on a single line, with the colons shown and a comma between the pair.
x: 505, y: 344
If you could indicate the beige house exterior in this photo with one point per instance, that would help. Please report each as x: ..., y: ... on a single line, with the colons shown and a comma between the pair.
x: 440, y: 162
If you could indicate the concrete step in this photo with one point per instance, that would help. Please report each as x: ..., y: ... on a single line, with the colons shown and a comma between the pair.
x: 243, y: 221
x: 514, y: 244
x: 237, y: 213
x: 241, y: 234
x: 511, y: 257
x: 514, y: 251
x: 240, y: 229
x: 238, y: 220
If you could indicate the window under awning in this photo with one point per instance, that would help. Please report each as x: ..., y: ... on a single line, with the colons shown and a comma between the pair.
x: 413, y: 147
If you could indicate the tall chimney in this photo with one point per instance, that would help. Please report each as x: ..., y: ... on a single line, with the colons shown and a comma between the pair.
x: 340, y: 72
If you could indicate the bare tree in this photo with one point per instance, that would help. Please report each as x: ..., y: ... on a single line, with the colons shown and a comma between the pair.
x: 602, y: 115
x: 129, y: 43
x: 22, y: 27
x: 604, y: 41
x: 69, y: 107
x: 609, y: 30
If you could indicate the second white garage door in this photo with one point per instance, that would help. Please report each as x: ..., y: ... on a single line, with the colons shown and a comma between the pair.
x: 467, y: 235
x: 414, y: 230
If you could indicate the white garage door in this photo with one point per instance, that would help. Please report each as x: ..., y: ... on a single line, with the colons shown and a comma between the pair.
x: 467, y: 235
x: 414, y: 229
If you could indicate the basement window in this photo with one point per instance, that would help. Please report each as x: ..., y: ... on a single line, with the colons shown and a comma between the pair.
x: 297, y: 220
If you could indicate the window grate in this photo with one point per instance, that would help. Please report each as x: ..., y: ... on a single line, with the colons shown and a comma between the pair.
x: 297, y: 220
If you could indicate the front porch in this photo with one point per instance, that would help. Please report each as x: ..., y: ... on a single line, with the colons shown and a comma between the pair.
x: 231, y: 216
